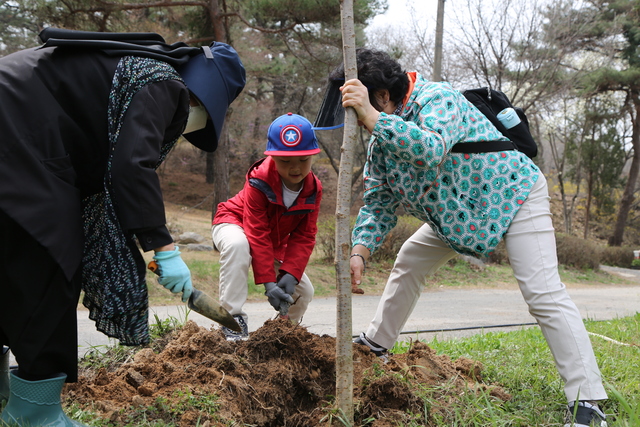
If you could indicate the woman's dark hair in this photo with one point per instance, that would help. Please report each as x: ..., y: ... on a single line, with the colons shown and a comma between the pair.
x: 377, y: 70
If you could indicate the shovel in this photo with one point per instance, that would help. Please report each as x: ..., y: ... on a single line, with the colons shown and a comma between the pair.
x: 207, y: 306
x: 284, y: 310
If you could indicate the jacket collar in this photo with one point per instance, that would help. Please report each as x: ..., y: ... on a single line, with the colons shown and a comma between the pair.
x: 265, y: 170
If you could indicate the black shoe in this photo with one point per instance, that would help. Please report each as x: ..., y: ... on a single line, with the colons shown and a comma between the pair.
x: 585, y: 414
x: 237, y: 336
x: 381, y: 352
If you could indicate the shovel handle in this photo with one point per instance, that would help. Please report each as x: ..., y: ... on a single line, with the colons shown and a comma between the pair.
x: 153, y: 266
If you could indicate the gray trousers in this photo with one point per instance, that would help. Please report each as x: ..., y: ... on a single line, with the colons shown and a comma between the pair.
x: 531, y: 246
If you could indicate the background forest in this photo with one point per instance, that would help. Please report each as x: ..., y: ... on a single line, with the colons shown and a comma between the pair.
x: 573, y: 66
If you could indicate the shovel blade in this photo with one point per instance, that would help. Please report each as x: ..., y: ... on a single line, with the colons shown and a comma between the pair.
x: 203, y: 304
x: 284, y: 309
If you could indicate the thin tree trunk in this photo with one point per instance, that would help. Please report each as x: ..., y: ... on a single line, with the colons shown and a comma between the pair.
x: 208, y: 173
x: 221, y: 168
x: 344, y: 346
x: 218, y: 161
x: 588, y: 206
x: 559, y: 164
x: 437, y: 57
x: 628, y: 196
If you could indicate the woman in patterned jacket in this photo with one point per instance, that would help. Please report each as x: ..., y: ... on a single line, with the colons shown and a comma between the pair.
x: 468, y: 202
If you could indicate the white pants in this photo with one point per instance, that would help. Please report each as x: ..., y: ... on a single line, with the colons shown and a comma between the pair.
x: 531, y: 246
x: 235, y: 260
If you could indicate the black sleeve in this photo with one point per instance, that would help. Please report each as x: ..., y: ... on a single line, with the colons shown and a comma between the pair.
x: 156, y: 114
x: 151, y: 238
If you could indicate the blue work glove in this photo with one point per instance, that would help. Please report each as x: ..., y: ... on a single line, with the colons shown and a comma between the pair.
x: 276, y: 295
x: 174, y: 273
x: 287, y: 283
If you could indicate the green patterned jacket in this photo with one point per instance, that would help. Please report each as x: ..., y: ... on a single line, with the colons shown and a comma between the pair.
x: 468, y: 199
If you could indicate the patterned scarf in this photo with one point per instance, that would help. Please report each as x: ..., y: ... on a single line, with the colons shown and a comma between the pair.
x: 113, y: 276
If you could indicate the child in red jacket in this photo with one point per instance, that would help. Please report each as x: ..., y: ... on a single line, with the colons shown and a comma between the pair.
x: 270, y: 225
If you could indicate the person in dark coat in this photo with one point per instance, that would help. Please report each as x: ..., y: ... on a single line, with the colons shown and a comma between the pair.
x: 84, y: 125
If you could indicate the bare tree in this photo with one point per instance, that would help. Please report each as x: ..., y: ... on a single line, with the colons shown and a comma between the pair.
x: 609, y: 33
x: 502, y: 45
x: 628, y: 196
x: 344, y: 330
x: 564, y: 139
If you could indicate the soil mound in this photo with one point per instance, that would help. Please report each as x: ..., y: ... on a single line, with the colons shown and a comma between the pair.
x: 282, y: 376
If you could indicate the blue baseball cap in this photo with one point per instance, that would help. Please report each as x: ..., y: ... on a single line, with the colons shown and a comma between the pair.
x: 216, y: 77
x: 291, y: 135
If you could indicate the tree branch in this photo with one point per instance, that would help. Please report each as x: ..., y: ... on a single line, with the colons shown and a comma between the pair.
x: 261, y: 29
x: 134, y: 6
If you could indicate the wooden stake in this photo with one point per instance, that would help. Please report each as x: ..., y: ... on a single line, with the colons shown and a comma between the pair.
x: 344, y: 346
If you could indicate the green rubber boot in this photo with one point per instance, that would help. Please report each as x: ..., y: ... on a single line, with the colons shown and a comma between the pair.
x: 36, y: 403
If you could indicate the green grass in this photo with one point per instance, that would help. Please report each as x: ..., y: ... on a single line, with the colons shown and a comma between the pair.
x: 521, y: 363
x: 202, y: 270
x: 159, y: 328
x: 457, y: 273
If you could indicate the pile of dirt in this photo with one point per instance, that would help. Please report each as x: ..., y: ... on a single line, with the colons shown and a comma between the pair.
x: 282, y: 376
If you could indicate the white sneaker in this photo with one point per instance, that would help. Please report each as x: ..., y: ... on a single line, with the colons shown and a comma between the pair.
x: 585, y: 414
x: 232, y: 335
x: 381, y: 352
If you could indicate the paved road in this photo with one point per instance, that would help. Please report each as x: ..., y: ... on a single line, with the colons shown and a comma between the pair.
x: 445, y: 312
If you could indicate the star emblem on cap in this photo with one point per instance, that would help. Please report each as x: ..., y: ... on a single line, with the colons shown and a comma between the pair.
x: 290, y: 136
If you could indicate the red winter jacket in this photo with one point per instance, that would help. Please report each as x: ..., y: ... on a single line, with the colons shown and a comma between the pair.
x: 274, y: 232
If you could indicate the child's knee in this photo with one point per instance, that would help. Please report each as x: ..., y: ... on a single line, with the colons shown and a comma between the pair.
x: 235, y: 247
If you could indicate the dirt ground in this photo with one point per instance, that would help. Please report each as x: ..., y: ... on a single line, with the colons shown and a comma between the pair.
x: 282, y: 376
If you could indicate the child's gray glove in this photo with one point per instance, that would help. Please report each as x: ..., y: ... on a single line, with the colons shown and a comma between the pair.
x: 287, y: 283
x: 276, y: 295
